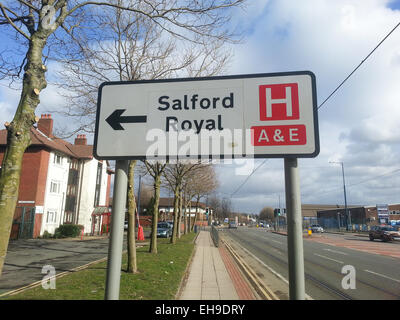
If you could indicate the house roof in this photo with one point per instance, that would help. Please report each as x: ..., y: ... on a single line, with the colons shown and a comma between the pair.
x: 39, y: 139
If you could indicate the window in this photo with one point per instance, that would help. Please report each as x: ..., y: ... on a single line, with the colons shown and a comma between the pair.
x: 58, y: 159
x: 51, y: 216
x: 73, y: 164
x: 55, y: 186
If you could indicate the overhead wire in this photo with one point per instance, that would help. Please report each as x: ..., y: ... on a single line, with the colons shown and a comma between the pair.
x: 355, y: 69
x: 248, y: 177
x: 330, y: 95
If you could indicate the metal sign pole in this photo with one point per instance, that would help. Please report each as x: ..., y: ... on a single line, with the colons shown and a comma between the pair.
x: 294, y: 230
x: 117, y: 230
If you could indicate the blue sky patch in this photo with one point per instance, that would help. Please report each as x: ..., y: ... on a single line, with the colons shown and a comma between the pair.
x: 394, y: 5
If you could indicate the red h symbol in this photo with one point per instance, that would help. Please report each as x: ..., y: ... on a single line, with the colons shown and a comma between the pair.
x: 279, y: 102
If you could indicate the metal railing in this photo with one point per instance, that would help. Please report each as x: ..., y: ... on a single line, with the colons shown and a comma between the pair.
x: 215, y: 236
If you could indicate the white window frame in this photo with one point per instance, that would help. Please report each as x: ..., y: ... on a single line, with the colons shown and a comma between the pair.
x: 51, y: 217
x: 58, y: 159
x: 57, y: 185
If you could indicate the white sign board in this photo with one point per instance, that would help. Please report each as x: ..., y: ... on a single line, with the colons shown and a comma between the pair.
x: 254, y: 116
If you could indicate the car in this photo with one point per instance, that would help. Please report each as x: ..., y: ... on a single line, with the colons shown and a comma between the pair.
x: 164, y: 230
x: 315, y: 228
x: 385, y: 233
x: 171, y: 224
x: 232, y: 225
x: 165, y: 225
x: 163, y: 233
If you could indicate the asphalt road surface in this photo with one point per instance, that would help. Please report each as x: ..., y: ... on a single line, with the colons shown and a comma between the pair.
x: 377, y: 276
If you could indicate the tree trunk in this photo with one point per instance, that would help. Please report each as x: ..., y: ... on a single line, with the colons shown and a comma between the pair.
x: 180, y: 215
x: 153, y: 241
x: 132, y: 262
x: 174, y: 230
x: 190, y: 216
x: 186, y: 220
x: 18, y: 139
x: 184, y: 215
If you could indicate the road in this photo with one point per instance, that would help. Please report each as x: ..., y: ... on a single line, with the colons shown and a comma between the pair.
x: 377, y: 276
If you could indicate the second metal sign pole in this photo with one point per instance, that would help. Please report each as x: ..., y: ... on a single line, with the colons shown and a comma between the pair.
x: 117, y: 230
x: 294, y: 230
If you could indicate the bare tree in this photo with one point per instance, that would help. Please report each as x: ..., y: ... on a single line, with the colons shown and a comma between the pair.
x: 136, y: 49
x: 155, y: 169
x: 54, y: 29
x: 202, y: 184
x: 175, y: 175
x: 226, y: 208
x: 215, y: 204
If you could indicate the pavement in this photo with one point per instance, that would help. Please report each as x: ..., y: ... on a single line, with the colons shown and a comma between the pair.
x: 213, y: 274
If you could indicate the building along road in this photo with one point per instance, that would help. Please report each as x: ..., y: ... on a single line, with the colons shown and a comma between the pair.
x: 377, y: 276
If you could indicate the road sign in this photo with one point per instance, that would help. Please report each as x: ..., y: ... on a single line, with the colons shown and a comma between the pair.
x: 254, y: 116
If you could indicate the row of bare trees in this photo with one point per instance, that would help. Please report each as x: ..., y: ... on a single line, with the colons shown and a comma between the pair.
x: 187, y: 182
x: 97, y: 41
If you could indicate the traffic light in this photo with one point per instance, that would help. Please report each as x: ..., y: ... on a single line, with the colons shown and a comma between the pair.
x: 207, y: 211
x: 279, y: 212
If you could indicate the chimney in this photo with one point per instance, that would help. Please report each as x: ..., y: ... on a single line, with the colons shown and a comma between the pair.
x: 81, y: 140
x: 45, y: 124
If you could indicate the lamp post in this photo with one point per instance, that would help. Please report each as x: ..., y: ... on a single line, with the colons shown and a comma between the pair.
x: 344, y: 191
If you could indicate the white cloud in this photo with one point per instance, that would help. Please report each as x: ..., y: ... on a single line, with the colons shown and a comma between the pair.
x: 9, y: 99
x: 359, y: 124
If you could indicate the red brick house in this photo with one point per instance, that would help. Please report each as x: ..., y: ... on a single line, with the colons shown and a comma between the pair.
x: 60, y: 182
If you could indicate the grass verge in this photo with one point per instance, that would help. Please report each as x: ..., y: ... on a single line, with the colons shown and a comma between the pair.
x: 158, y: 278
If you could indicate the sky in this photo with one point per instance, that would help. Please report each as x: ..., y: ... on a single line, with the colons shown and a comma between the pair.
x: 358, y: 125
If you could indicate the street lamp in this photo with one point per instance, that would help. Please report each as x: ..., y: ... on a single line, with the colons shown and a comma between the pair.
x: 344, y: 191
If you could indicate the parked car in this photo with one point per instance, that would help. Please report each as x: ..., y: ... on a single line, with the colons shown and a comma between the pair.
x: 163, y: 230
x: 165, y: 224
x: 171, y: 224
x: 232, y: 225
x: 385, y: 233
x: 315, y: 228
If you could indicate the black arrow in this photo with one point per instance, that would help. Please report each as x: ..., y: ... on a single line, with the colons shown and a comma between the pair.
x: 115, y: 119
